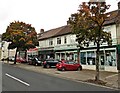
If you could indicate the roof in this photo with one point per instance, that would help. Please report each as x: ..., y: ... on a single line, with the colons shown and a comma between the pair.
x: 63, y: 30
x: 55, y: 32
x: 112, y: 17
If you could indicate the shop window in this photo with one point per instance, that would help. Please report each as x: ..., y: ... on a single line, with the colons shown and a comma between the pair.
x: 58, y: 56
x: 83, y: 58
x: 59, y: 40
x: 62, y: 55
x: 91, y: 58
x: 70, y: 56
x: 111, y: 58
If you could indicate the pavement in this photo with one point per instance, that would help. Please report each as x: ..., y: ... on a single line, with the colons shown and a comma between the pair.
x: 110, y: 78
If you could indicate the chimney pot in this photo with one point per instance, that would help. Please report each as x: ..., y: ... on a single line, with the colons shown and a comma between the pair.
x: 41, y: 30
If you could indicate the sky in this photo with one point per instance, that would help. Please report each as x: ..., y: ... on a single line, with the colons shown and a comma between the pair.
x: 41, y: 14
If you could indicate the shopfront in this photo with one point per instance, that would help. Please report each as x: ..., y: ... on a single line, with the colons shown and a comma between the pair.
x: 46, y: 53
x: 67, y: 55
x: 107, y: 58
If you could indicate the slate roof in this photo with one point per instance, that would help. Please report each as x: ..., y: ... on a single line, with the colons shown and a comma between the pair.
x: 112, y: 18
x: 55, y: 32
x: 63, y: 30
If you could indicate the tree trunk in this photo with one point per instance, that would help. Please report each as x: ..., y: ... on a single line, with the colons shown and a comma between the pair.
x: 78, y: 52
x: 15, y: 56
x: 25, y: 54
x: 119, y: 79
x: 97, y: 63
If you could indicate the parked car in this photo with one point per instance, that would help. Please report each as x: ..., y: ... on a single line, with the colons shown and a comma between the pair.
x: 49, y: 63
x: 34, y: 61
x: 68, y: 65
x: 30, y: 61
x: 21, y: 60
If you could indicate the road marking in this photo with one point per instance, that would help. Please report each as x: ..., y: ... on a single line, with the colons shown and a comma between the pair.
x: 17, y: 79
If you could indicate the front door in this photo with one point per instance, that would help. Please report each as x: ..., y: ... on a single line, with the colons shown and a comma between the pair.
x: 102, y: 62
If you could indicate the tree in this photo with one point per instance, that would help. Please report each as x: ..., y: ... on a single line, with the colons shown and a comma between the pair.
x: 88, y: 25
x: 21, y: 36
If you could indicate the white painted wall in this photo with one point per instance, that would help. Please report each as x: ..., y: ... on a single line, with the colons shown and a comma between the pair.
x: 70, y: 40
x: 111, y: 69
x: 112, y: 29
x: 4, y: 52
x: 118, y: 33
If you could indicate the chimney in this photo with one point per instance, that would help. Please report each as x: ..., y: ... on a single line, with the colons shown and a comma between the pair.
x: 41, y: 30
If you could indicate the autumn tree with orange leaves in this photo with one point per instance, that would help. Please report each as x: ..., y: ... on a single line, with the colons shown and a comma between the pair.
x: 21, y: 36
x: 88, y: 25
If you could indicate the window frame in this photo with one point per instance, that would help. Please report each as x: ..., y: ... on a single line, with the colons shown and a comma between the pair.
x: 65, y: 40
x: 50, y: 42
x: 58, y: 40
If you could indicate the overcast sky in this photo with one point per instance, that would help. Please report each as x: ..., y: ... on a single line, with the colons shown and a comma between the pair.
x: 45, y: 14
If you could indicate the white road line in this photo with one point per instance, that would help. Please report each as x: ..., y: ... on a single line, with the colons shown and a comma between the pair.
x: 17, y: 79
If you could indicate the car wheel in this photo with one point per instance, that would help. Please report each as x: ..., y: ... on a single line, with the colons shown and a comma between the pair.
x: 58, y: 69
x: 47, y: 66
x: 63, y: 69
x: 36, y: 64
x: 43, y: 66
x: 80, y: 68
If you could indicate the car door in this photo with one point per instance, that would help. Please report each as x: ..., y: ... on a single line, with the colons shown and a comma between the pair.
x: 75, y: 66
x: 67, y: 66
x: 71, y: 65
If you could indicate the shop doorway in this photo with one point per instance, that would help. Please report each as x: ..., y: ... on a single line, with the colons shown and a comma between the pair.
x: 102, y: 62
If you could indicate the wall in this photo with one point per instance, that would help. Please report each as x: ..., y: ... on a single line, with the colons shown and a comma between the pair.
x: 112, y: 29
x: 5, y: 53
x: 70, y: 40
x: 118, y: 33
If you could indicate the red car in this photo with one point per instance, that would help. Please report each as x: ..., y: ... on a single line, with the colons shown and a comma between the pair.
x: 68, y: 65
x: 21, y: 60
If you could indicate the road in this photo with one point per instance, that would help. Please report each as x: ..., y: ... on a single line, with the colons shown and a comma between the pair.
x: 17, y: 79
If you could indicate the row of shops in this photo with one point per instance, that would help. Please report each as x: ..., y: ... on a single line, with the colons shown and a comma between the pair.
x: 107, y: 58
